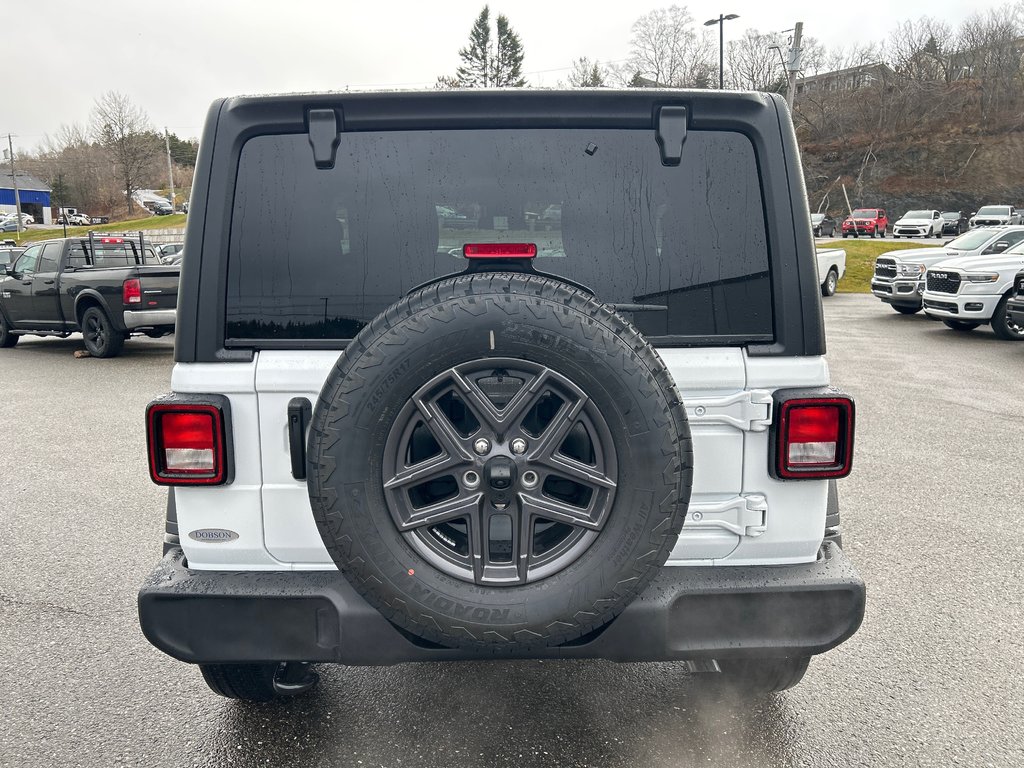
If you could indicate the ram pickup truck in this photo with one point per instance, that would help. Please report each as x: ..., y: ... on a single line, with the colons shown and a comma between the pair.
x: 967, y: 292
x: 388, y: 440
x: 109, y: 287
x: 899, y: 275
x: 996, y: 215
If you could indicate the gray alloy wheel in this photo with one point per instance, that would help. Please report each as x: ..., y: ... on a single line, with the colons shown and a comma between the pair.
x: 100, y: 337
x: 469, y: 512
x: 1003, y: 326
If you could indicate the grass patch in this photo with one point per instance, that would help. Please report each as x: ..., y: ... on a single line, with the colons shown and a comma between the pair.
x: 860, y: 260
x: 34, y: 234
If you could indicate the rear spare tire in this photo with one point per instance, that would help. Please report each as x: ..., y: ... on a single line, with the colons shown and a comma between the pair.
x: 499, y: 461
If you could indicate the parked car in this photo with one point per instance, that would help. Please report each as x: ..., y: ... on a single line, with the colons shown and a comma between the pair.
x: 26, y: 219
x: 10, y: 225
x: 1015, y: 306
x: 823, y: 225
x: 107, y: 287
x: 899, y: 278
x: 166, y: 250
x: 504, y: 459
x: 918, y: 224
x: 996, y: 215
x: 955, y: 223
x: 74, y: 219
x: 967, y: 292
x: 831, y: 268
x: 8, y: 255
x: 865, y: 221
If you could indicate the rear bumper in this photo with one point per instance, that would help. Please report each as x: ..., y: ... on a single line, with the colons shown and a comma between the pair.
x: 686, y: 613
x: 152, y: 318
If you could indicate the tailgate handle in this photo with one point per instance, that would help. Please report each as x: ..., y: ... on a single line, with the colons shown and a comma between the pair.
x: 300, y: 412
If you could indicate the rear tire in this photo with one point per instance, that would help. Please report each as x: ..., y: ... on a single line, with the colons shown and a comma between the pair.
x: 903, y: 310
x: 100, y: 337
x: 248, y: 682
x: 828, y: 288
x: 960, y: 325
x: 7, y: 339
x: 760, y: 677
x: 1002, y: 326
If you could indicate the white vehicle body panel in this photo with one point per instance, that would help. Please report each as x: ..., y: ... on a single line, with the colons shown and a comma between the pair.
x: 830, y: 257
x: 738, y: 514
x: 1006, y: 265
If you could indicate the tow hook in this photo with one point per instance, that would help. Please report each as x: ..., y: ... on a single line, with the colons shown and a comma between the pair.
x: 294, y: 677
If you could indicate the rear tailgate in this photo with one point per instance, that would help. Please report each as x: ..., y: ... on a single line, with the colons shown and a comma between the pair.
x: 159, y: 287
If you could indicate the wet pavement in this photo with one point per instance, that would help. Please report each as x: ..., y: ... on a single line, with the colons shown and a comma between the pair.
x: 931, y: 518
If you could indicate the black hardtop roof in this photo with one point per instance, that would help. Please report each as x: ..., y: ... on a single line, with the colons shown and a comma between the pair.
x: 500, y: 107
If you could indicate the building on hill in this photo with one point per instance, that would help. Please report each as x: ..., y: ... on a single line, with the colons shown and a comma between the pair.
x: 849, y: 79
x: 34, y: 195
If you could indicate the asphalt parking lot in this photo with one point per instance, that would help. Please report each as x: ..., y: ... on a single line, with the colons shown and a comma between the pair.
x: 931, y: 518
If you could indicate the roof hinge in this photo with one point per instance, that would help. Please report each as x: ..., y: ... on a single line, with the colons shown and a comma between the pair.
x: 324, y: 127
x: 670, y: 131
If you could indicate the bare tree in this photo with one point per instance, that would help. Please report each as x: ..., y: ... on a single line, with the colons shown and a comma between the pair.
x: 124, y: 131
x: 752, y: 64
x: 587, y: 74
x: 666, y: 48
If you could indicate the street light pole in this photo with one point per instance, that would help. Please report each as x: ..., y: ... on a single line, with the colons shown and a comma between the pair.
x: 720, y: 21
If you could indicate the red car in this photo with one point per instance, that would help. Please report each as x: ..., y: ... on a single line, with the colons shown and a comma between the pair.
x: 866, y: 221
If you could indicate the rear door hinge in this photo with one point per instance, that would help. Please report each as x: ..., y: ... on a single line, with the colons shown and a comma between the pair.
x: 749, y: 410
x: 745, y: 515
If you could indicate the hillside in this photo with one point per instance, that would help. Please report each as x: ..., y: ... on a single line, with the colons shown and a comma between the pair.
x: 946, y: 167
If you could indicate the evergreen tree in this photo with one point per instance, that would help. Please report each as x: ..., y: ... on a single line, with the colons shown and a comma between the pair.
x: 507, y: 63
x: 475, y: 71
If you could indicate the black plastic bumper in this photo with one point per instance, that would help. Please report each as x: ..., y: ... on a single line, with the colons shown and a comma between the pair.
x: 685, y: 613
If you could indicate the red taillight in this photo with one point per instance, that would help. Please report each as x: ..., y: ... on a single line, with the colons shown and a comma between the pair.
x: 131, y: 292
x: 815, y: 438
x: 499, y: 250
x: 111, y: 239
x: 186, y: 444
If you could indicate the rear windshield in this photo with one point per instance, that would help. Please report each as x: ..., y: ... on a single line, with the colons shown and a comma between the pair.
x: 317, y: 253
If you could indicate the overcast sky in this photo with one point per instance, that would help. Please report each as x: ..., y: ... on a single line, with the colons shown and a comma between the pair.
x: 174, y: 58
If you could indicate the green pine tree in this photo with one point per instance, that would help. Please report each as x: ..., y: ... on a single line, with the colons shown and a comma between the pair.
x: 507, y: 63
x: 475, y: 71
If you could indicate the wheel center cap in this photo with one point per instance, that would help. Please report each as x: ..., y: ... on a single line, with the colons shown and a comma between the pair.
x: 500, y: 475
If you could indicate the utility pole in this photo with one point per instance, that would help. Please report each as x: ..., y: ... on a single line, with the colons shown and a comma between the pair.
x: 60, y: 202
x: 14, y: 180
x: 170, y: 169
x: 795, y: 63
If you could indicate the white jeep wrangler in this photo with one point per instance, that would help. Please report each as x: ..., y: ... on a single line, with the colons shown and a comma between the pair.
x: 396, y: 435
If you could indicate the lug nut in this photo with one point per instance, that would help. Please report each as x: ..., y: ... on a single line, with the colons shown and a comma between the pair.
x: 518, y: 446
x: 482, y: 446
x: 529, y: 479
x: 471, y: 479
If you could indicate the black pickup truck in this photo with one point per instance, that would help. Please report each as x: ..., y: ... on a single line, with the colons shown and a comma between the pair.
x: 108, y: 287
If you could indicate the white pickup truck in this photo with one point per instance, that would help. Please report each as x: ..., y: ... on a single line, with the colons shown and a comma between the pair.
x: 831, y: 268
x: 967, y: 292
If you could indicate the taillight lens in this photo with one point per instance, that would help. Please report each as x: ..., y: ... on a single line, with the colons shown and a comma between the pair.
x: 186, y: 444
x: 815, y: 438
x: 131, y: 292
x: 499, y: 250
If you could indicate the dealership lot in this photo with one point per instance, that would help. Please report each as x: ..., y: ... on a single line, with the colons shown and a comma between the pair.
x: 929, y: 516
